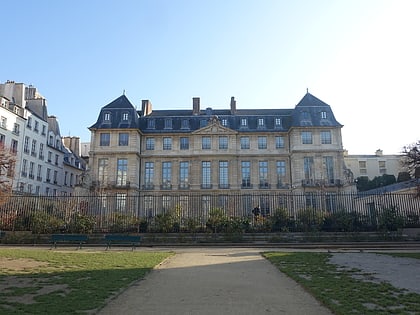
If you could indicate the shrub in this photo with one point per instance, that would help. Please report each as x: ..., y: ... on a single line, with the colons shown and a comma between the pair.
x: 81, y: 223
x: 217, y: 220
x: 390, y: 220
x: 280, y: 221
x: 310, y: 219
x: 45, y: 223
x: 123, y: 223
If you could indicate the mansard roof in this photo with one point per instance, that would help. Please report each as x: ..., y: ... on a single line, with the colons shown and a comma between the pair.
x: 310, y: 111
x: 120, y: 113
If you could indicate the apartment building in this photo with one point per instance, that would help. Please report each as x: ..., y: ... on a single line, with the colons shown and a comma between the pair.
x: 34, y: 136
x: 217, y: 151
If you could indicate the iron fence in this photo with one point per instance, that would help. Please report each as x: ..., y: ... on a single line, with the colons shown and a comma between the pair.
x: 139, y: 212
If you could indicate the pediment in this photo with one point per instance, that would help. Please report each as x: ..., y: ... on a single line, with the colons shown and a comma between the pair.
x: 214, y: 127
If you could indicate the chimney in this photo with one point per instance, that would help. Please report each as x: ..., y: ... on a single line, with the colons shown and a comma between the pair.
x: 146, y: 107
x: 73, y: 143
x: 232, y: 105
x: 196, y: 105
x: 379, y: 152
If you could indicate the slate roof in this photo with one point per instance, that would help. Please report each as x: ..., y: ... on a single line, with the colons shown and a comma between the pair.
x: 310, y: 111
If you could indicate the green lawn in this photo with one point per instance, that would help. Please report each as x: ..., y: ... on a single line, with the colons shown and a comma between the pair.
x: 67, y: 282
x: 341, y: 292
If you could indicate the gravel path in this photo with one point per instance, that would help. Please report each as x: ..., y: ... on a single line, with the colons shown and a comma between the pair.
x: 403, y: 273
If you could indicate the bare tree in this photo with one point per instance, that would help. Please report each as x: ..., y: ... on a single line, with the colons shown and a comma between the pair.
x: 412, y: 159
x: 7, y: 170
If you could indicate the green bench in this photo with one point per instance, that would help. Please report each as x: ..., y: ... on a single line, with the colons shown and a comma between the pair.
x: 133, y: 240
x: 69, y: 238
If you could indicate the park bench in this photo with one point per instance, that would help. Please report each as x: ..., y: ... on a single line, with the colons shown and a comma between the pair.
x: 122, y: 239
x: 69, y: 238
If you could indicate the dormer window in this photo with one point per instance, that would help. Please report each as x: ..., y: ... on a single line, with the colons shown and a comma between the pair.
x: 323, y: 115
x: 277, y: 122
x: 244, y: 122
x: 168, y: 123
x: 125, y: 116
x: 261, y: 122
x: 107, y: 117
x: 151, y: 124
x: 185, y: 124
x: 224, y: 122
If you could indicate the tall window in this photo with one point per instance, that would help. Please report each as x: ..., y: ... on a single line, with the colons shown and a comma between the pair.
x: 244, y: 143
x: 39, y: 173
x: 13, y: 146
x: 223, y: 174
x: 277, y: 122
x: 122, y: 172
x: 184, y: 143
x: 166, y: 175
x: 31, y: 170
x: 33, y: 148
x: 41, y: 151
x: 244, y: 122
x: 150, y: 143
x: 262, y: 142
x: 26, y: 145
x: 149, y: 174
x: 205, y: 174
x: 123, y: 139
x: 121, y: 199
x: 279, y: 142
x: 263, y: 173
x: 326, y: 137
x: 107, y: 117
x: 185, y: 124
x: 183, y: 174
x: 308, y: 168
x: 24, y: 168
x: 223, y: 142
x: 281, y: 172
x: 323, y: 115
x: 151, y: 124
x: 329, y: 169
x: 168, y: 123
x: 246, y: 174
x: 306, y: 137
x: 55, y: 177
x: 261, y: 122
x: 104, y: 139
x: 206, y: 143
x: 167, y: 143
x: 103, y: 170
x: 125, y: 116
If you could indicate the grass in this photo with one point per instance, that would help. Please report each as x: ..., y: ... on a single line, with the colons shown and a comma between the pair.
x: 340, y: 291
x: 67, y: 282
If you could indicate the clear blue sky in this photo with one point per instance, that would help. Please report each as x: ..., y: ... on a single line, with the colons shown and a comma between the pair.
x: 362, y: 57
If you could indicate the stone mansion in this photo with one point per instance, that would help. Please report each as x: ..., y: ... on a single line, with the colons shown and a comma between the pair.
x: 217, y: 151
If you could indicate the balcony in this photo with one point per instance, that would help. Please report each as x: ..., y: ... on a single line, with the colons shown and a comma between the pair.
x: 166, y: 186
x: 148, y: 186
x: 224, y: 186
x: 184, y: 186
x: 264, y: 185
x: 118, y: 184
x: 321, y: 183
x: 206, y: 186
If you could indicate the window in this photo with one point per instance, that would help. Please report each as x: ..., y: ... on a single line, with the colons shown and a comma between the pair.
x: 43, y: 130
x: 49, y: 156
x: 149, y: 175
x: 184, y: 143
x: 107, y: 117
x: 323, y: 115
x: 244, y: 122
x: 13, y: 146
x: 205, y: 174
x: 2, y: 139
x: 121, y: 201
x: 29, y: 123
x: 382, y: 167
x: 103, y: 170
x: 166, y: 175
x: 244, y: 143
x: 24, y: 168
x: 41, y: 151
x: 48, y: 175
x: 56, y: 159
x: 224, y: 122
x: 26, y: 145
x: 122, y: 168
x: 151, y: 124
x: 36, y: 128
x: 55, y: 177
x: 168, y: 123
x: 50, y: 140
x: 263, y: 174
x: 281, y: 172
x: 326, y: 137
x: 329, y: 169
x: 279, y: 142
x: 33, y: 148
x: 16, y: 128
x: 308, y: 168
x: 246, y: 174
x: 150, y: 143
x: 123, y: 139
x: 104, y: 139
x: 125, y: 116
x: 306, y: 137
x: 65, y: 178
x: 223, y: 143
x: 261, y: 122
x: 206, y: 143
x: 277, y: 122
x: 167, y: 143
x: 39, y: 173
x: 184, y: 174
x: 223, y: 174
x: 262, y: 143
x: 185, y: 124
x: 3, y: 122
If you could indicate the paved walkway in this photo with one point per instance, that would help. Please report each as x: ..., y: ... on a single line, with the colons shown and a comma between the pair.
x: 215, y: 281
